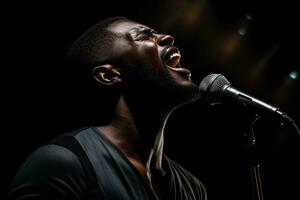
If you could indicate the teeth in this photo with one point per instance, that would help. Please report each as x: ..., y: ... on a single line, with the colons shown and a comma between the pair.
x: 175, y: 55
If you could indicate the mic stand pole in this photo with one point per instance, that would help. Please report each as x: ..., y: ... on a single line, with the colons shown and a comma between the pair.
x: 254, y: 164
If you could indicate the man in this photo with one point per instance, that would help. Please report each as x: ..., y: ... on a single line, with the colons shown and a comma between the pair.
x: 122, y: 158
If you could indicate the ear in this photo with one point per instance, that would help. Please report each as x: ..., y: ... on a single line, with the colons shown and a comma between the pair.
x: 107, y: 74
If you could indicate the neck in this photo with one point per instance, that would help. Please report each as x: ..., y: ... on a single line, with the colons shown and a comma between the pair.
x: 136, y: 130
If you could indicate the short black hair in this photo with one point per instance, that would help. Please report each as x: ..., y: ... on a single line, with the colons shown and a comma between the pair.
x: 84, y: 96
x: 91, y: 48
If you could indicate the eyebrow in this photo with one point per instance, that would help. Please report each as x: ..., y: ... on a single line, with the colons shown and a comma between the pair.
x: 142, y: 29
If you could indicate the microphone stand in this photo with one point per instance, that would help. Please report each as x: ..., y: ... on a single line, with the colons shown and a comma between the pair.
x: 254, y: 164
x: 253, y: 158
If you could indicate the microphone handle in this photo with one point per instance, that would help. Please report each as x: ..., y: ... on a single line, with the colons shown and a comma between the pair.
x: 248, y: 101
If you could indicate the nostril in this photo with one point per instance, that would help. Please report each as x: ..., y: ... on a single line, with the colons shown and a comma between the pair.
x: 165, y: 40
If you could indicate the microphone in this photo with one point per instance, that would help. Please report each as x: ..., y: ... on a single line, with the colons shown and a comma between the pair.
x: 216, y: 89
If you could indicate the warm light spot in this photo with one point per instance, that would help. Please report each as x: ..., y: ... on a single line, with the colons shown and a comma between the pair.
x: 249, y: 17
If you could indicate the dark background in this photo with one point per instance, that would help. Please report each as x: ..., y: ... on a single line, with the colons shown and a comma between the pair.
x: 253, y: 43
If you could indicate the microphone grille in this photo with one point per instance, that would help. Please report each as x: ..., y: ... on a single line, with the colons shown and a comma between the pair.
x: 211, y: 87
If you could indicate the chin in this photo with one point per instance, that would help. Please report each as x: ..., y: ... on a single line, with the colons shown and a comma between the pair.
x: 186, y: 83
x: 184, y: 92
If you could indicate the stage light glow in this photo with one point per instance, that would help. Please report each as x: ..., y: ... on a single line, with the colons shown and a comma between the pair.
x: 294, y: 74
x: 242, y: 31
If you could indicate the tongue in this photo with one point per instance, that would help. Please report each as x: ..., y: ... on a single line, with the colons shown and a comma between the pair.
x: 173, y: 62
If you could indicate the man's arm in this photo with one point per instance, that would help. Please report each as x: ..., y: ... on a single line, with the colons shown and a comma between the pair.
x: 51, y: 172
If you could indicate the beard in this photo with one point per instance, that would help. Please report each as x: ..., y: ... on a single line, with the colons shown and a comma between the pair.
x: 157, y: 87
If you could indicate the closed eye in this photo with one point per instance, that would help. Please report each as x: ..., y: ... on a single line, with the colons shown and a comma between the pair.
x: 146, y: 34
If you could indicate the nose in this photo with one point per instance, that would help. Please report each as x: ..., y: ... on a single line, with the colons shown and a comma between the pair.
x: 164, y: 40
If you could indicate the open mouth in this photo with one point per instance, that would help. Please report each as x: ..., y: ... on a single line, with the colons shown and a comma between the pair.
x: 172, y: 58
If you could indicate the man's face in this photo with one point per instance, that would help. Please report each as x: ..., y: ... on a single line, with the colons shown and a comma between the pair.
x: 151, y: 62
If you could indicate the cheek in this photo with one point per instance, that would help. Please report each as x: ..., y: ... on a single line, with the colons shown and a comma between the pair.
x: 149, y: 52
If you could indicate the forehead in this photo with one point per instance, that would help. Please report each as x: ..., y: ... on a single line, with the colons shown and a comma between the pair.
x: 127, y: 26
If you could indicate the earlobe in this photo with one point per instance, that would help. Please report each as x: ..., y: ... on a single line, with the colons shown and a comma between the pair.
x: 107, y: 74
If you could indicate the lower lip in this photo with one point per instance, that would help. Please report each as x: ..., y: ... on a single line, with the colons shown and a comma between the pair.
x: 186, y: 73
